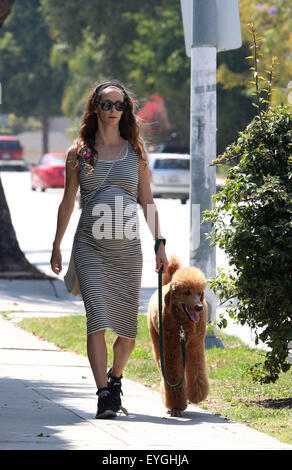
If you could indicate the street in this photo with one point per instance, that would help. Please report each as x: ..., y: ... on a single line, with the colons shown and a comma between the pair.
x: 34, y: 217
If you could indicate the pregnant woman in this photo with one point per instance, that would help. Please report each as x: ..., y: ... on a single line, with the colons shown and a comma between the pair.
x: 110, y: 164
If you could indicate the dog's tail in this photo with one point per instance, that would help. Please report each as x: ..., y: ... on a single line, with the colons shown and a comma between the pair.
x: 173, y: 265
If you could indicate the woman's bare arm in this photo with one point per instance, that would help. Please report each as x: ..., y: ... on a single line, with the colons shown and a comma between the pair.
x: 150, y: 212
x: 65, y: 208
x: 147, y: 202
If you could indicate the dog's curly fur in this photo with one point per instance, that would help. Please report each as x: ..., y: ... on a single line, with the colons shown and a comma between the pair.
x: 182, y: 303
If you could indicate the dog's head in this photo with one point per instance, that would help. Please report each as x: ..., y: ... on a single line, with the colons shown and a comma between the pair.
x: 186, y: 293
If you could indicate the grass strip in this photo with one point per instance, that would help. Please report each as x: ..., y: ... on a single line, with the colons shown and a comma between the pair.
x: 233, y: 393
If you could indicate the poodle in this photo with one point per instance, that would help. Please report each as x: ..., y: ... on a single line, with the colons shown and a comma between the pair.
x: 183, y: 304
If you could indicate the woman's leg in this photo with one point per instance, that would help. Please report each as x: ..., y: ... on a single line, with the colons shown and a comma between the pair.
x: 97, y: 355
x: 122, y: 349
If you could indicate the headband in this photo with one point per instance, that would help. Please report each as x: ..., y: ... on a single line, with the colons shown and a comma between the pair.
x: 100, y: 88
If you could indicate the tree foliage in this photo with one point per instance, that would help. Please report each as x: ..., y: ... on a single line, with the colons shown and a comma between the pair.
x: 157, y: 63
x: 141, y: 44
x: 273, y: 20
x: 13, y: 262
x: 5, y: 9
x: 30, y: 85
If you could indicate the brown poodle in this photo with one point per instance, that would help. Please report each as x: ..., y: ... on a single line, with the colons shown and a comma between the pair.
x: 182, y: 304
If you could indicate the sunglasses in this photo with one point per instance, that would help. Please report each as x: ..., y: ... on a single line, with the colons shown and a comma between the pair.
x: 107, y: 105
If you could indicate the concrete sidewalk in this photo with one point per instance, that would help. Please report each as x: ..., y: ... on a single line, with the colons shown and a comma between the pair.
x: 48, y: 401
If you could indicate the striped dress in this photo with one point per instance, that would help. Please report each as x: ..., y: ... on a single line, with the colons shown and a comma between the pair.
x: 107, y: 248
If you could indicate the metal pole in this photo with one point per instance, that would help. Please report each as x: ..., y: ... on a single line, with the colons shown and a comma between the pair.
x: 203, y: 145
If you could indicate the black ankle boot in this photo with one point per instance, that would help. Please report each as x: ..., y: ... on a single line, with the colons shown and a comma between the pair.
x: 106, y: 408
x: 115, y: 387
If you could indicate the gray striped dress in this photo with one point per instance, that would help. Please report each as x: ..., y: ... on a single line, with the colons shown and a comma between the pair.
x: 107, y: 248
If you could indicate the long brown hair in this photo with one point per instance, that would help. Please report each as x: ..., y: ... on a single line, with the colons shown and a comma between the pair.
x: 129, y: 127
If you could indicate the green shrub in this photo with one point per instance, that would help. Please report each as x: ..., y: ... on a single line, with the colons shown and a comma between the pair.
x: 252, y: 222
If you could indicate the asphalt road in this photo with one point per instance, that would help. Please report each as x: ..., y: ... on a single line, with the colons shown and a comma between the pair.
x: 34, y: 216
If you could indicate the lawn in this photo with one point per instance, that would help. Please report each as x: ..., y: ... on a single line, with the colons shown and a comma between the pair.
x: 233, y: 393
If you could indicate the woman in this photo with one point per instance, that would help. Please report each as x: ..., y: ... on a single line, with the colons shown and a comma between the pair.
x: 110, y: 164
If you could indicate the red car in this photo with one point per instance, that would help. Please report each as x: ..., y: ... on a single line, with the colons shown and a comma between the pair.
x: 10, y: 148
x: 49, y: 173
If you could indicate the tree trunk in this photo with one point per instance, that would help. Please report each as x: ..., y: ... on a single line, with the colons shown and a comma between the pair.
x: 46, y: 126
x: 5, y: 9
x: 13, y: 263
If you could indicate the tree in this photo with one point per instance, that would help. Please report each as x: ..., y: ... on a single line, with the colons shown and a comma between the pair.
x: 5, y: 9
x: 107, y: 22
x: 90, y: 37
x: 13, y: 262
x: 234, y: 106
x: 273, y: 22
x: 157, y: 63
x: 30, y: 85
x: 141, y: 44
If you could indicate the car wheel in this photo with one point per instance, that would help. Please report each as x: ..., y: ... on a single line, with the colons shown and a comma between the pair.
x: 41, y: 185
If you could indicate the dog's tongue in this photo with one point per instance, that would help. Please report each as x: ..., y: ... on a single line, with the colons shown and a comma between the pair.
x: 194, y: 316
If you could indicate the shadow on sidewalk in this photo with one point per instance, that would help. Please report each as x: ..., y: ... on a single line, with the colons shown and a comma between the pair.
x: 30, y: 419
x: 35, y: 413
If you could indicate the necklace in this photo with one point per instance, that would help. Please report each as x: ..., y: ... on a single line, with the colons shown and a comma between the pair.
x: 117, y: 156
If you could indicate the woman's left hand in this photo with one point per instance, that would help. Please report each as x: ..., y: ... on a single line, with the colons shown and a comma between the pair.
x: 161, y: 258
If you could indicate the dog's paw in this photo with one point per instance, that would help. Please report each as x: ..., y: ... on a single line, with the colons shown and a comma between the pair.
x: 175, y: 412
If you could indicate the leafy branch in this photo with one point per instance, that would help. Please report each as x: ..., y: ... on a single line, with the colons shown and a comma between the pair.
x: 236, y: 150
x: 268, y: 90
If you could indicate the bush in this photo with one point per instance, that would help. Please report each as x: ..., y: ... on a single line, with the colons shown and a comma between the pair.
x: 252, y: 223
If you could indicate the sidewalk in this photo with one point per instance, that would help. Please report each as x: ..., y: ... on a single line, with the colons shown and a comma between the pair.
x: 48, y: 401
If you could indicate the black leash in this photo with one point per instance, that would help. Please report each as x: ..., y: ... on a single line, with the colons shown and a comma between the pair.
x: 181, y: 333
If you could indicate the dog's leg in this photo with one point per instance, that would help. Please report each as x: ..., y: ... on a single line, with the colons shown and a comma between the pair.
x: 196, y: 377
x: 155, y: 344
x: 174, y: 398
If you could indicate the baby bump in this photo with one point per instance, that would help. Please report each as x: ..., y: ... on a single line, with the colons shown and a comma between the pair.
x: 112, y: 216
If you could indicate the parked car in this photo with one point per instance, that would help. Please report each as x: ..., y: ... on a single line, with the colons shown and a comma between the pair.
x: 170, y: 175
x: 49, y: 173
x: 172, y: 148
x: 11, y: 150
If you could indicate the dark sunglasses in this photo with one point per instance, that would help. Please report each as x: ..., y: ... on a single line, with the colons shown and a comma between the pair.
x: 107, y: 105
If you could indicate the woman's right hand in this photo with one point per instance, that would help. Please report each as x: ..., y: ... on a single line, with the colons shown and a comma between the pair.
x: 56, y: 261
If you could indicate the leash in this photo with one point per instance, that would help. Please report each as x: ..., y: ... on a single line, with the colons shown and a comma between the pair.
x: 181, y: 332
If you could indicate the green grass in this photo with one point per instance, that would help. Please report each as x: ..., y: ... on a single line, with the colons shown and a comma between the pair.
x: 233, y: 394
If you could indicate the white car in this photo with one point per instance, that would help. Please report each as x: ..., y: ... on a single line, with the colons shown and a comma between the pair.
x: 170, y: 175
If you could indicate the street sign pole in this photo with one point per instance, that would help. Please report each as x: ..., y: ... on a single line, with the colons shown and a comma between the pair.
x: 210, y: 26
x: 202, y: 177
x: 203, y: 146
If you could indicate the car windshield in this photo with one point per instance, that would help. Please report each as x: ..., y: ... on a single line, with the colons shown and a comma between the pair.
x: 172, y: 164
x: 56, y: 161
x: 10, y: 145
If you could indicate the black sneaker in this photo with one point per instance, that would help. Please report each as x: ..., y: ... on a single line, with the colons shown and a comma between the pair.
x: 105, y: 407
x: 115, y: 387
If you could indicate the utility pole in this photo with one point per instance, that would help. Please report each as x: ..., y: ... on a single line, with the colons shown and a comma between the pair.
x: 209, y: 26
